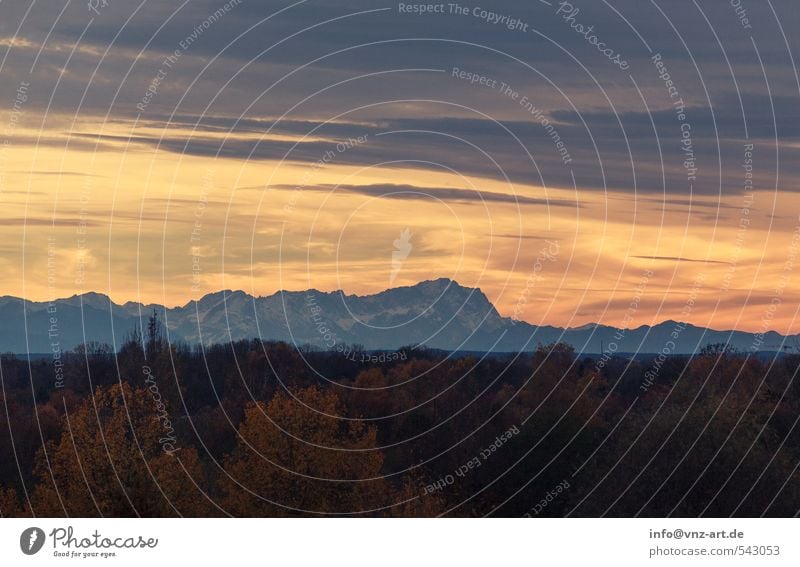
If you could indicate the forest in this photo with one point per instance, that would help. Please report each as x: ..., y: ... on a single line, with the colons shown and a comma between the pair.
x: 255, y: 428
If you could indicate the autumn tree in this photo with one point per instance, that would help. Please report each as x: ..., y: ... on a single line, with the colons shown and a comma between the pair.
x: 116, y: 457
x: 10, y: 506
x: 295, y: 456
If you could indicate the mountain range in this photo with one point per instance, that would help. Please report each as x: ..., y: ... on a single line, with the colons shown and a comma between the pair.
x: 439, y: 314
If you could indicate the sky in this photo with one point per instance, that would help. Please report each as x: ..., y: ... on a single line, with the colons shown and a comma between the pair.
x: 623, y: 162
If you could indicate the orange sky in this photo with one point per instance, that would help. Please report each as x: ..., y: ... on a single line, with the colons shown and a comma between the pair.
x: 153, y: 226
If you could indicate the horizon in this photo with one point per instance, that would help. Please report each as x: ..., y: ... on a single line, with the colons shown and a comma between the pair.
x: 410, y: 286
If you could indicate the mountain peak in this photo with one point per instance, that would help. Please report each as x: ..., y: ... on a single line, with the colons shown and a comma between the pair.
x: 439, y: 282
x: 444, y: 285
x: 438, y: 313
x: 91, y: 299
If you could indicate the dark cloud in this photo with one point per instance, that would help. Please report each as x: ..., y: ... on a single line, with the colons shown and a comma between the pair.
x: 679, y: 259
x: 689, y: 203
x: 519, y: 236
x: 271, y: 55
x: 57, y: 173
x: 54, y: 222
x: 414, y: 193
x: 520, y: 151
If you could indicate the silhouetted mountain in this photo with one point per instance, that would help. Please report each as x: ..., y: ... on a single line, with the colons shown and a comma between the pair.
x: 439, y: 314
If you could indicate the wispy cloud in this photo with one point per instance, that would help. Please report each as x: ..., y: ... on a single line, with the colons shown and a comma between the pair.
x: 413, y: 193
x: 679, y: 259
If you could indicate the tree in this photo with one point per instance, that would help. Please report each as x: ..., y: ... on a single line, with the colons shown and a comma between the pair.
x: 112, y: 460
x: 302, y: 460
x: 155, y: 336
x: 9, y: 504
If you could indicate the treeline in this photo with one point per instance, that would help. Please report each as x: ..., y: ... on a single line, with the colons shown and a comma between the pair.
x: 257, y: 428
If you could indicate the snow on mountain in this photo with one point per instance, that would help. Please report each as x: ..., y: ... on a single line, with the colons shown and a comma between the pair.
x: 437, y: 313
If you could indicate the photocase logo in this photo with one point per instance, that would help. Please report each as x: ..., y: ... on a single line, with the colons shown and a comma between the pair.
x: 96, y: 5
x: 402, y: 248
x: 31, y: 541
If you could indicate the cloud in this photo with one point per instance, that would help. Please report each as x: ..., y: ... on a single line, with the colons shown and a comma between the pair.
x: 618, y: 142
x: 679, y: 259
x: 692, y: 203
x: 415, y: 193
x: 56, y: 173
x: 520, y: 236
x: 54, y: 222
